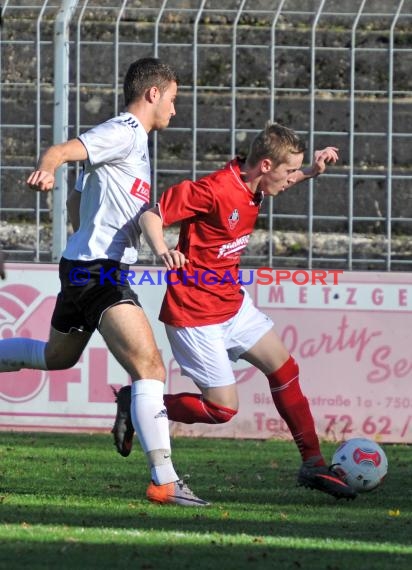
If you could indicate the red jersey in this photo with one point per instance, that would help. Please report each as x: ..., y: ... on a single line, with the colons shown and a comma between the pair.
x: 217, y: 215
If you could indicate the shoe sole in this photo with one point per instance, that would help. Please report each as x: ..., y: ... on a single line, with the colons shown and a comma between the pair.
x: 123, y: 446
x: 347, y: 494
x: 173, y: 500
x: 161, y: 496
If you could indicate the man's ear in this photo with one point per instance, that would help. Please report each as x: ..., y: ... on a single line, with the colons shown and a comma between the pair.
x: 152, y: 94
x: 265, y: 165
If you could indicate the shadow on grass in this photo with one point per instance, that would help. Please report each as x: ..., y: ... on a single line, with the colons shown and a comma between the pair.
x: 72, y: 555
x: 275, y: 522
x: 80, y: 481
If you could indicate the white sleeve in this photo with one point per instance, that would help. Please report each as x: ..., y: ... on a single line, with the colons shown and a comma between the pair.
x: 108, y: 142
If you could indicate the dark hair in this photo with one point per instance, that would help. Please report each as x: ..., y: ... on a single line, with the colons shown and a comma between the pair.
x: 146, y: 73
x: 275, y: 142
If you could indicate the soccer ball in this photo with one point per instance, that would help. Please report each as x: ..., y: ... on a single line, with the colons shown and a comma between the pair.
x: 362, y: 463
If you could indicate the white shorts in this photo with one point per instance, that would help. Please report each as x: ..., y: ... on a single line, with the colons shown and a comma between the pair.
x: 204, y: 353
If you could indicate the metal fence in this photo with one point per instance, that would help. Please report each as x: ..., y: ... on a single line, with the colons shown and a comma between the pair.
x: 337, y: 71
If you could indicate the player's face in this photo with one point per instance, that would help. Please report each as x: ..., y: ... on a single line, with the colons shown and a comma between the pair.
x: 277, y: 179
x: 165, y: 106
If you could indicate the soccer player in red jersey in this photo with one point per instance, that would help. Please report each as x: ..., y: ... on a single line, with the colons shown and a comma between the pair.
x: 208, y: 325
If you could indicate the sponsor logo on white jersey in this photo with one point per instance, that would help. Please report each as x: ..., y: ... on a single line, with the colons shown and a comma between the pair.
x: 141, y: 189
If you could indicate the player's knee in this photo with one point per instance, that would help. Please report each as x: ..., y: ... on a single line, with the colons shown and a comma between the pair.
x: 58, y: 360
x: 219, y: 414
x: 59, y: 363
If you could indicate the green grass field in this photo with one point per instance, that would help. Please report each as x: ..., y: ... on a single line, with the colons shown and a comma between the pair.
x: 71, y: 502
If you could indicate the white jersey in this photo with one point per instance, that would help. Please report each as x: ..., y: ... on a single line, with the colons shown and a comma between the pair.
x: 115, y: 191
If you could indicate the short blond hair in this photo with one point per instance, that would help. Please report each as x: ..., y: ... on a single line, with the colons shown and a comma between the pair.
x: 275, y: 142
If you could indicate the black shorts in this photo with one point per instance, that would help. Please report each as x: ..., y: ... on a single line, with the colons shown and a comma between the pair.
x: 88, y: 288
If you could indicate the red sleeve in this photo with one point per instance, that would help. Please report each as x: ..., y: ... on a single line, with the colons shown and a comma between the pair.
x: 185, y: 200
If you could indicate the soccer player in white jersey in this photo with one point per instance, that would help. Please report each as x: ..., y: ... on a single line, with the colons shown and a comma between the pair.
x: 209, y: 317
x: 94, y: 294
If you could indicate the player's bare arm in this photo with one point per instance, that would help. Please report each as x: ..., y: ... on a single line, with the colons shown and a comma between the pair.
x: 152, y: 228
x: 43, y: 178
x: 321, y: 158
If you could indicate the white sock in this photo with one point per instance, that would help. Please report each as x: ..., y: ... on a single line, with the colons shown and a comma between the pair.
x: 18, y: 353
x: 151, y: 424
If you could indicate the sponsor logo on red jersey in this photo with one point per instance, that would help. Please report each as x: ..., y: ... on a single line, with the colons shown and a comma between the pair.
x: 232, y: 247
x: 233, y: 219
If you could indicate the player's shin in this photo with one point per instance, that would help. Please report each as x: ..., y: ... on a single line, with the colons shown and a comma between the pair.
x: 294, y: 408
x: 150, y: 421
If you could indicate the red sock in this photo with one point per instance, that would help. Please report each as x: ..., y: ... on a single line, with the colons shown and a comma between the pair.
x: 193, y: 408
x: 293, y: 407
